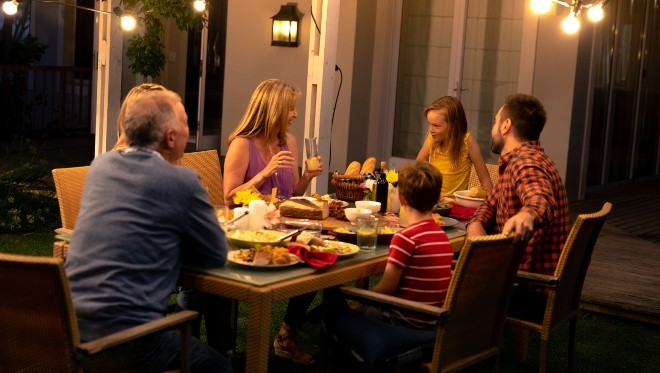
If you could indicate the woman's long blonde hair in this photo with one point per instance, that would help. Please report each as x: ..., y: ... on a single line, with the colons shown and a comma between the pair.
x: 457, y: 127
x: 133, y: 94
x: 267, y: 113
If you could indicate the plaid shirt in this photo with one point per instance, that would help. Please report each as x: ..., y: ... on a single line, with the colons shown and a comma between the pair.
x: 528, y: 179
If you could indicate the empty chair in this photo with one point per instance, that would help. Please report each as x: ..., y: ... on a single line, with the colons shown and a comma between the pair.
x: 565, y: 286
x: 470, y: 323
x: 69, y: 184
x: 492, y: 171
x: 207, y: 164
x: 39, y: 329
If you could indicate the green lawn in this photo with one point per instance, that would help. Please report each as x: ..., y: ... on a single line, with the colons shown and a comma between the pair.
x: 604, y: 343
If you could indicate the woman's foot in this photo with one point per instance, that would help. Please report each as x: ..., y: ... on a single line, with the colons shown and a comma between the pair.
x: 286, y: 346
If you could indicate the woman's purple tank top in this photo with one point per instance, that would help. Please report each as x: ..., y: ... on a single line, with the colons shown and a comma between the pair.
x: 283, y: 179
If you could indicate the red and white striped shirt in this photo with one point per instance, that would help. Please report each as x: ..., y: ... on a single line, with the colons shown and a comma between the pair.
x: 424, y: 253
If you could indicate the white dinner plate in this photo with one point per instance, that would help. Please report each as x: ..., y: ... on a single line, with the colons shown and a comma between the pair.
x: 449, y: 222
x: 342, y: 249
x: 233, y: 256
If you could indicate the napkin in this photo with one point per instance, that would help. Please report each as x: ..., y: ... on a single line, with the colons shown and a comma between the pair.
x: 315, y: 259
x: 461, y: 212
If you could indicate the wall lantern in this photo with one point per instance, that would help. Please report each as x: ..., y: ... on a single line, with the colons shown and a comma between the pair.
x: 285, y: 27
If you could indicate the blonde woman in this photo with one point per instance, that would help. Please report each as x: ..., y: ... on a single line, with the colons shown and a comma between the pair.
x: 133, y: 94
x: 263, y: 154
x: 450, y: 147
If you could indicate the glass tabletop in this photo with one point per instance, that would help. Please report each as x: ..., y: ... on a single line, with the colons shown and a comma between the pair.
x: 262, y: 276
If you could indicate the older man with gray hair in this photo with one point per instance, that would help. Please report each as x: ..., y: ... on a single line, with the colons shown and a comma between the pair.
x: 140, y: 218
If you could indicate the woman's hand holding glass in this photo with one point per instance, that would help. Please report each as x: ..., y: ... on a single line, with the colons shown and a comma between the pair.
x: 283, y: 160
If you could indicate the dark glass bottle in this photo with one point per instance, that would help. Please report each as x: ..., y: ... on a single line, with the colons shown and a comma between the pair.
x: 381, y: 191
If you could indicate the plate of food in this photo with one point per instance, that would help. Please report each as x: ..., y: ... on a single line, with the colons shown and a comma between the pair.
x: 444, y: 221
x: 443, y: 208
x: 342, y: 249
x: 249, y: 238
x: 263, y: 257
x: 348, y: 234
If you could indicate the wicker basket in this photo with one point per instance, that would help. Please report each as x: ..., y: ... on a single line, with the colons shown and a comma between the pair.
x: 348, y: 188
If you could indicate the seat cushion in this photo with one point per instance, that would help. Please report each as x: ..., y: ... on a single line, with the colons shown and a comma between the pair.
x: 377, y: 343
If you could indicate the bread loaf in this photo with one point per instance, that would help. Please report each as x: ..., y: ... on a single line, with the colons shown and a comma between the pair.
x: 353, y: 169
x: 368, y: 166
x: 304, y: 209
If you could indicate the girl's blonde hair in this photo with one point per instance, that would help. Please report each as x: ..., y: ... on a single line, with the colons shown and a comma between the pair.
x: 267, y: 113
x: 457, y: 127
x: 131, y: 96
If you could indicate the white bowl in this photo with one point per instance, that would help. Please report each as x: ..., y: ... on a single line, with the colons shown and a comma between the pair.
x: 371, y: 205
x: 352, y: 213
x: 463, y: 199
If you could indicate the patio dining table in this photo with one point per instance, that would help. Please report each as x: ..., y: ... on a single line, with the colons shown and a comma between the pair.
x: 261, y: 287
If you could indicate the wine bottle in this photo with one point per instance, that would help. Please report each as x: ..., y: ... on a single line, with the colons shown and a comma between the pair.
x: 381, y: 191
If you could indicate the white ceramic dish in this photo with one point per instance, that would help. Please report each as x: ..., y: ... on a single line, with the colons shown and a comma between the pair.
x: 462, y: 198
x: 449, y: 222
x: 352, y: 213
x: 371, y: 205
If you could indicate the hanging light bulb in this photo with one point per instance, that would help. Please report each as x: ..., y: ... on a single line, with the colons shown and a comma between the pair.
x: 571, y: 24
x: 540, y: 6
x: 595, y: 13
x: 199, y: 5
x: 10, y: 7
x: 127, y: 22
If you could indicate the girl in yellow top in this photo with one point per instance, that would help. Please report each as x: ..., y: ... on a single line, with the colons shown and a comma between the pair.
x: 450, y: 147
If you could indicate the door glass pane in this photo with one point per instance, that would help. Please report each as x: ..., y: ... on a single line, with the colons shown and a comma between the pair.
x: 493, y: 36
x: 649, y: 132
x: 425, y: 47
x: 626, y: 80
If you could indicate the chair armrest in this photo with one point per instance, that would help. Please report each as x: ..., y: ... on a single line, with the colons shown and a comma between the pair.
x: 537, y: 279
x: 168, y: 322
x: 372, y: 297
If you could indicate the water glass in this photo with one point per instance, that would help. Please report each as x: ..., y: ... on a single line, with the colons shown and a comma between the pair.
x: 367, y: 233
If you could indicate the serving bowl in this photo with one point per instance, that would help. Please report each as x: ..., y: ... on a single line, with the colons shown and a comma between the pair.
x: 371, y: 205
x: 248, y: 238
x: 352, y: 213
x: 463, y: 198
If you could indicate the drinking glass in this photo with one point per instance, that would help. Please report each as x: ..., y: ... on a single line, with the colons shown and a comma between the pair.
x: 312, y: 151
x: 367, y: 233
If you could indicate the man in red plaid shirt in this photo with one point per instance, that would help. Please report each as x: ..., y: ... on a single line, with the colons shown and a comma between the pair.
x: 529, y: 199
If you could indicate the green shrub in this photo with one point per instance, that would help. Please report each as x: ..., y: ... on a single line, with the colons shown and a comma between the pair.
x: 27, y: 196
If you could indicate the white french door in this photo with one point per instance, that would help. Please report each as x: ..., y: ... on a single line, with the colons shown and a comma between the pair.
x: 470, y: 49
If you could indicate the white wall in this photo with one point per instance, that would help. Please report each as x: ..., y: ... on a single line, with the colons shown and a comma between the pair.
x: 554, y: 80
x: 250, y: 59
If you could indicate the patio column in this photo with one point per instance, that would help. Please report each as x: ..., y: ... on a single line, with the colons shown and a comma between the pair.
x: 320, y: 90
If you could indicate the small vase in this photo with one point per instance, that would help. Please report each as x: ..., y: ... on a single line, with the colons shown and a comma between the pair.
x: 393, y: 204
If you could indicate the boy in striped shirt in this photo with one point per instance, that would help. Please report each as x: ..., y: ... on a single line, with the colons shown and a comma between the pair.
x: 419, y: 262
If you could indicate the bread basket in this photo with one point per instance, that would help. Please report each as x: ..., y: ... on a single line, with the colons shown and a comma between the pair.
x: 348, y: 188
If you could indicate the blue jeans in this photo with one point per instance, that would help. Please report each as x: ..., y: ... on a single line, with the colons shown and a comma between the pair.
x: 156, y: 354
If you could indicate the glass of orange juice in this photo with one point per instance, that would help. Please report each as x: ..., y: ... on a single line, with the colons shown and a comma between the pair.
x: 312, y: 150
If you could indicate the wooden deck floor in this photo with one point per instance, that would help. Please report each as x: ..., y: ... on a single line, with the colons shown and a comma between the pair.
x: 623, y: 277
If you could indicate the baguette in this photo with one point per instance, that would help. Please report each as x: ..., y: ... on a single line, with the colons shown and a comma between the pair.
x: 353, y: 169
x: 368, y: 166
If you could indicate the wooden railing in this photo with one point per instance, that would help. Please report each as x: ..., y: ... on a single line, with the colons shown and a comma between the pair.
x: 45, y: 99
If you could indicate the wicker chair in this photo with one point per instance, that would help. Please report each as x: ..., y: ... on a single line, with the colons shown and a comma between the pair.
x: 470, y: 324
x: 565, y: 286
x: 69, y: 185
x: 207, y: 164
x: 492, y: 171
x: 39, y: 329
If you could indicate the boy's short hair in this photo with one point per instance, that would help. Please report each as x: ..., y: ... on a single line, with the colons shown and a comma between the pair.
x: 420, y: 184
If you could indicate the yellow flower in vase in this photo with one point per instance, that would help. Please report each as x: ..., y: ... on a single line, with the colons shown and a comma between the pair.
x: 244, y: 197
x: 392, y: 177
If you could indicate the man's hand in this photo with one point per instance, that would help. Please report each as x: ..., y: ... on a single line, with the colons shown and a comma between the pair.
x: 521, y: 225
